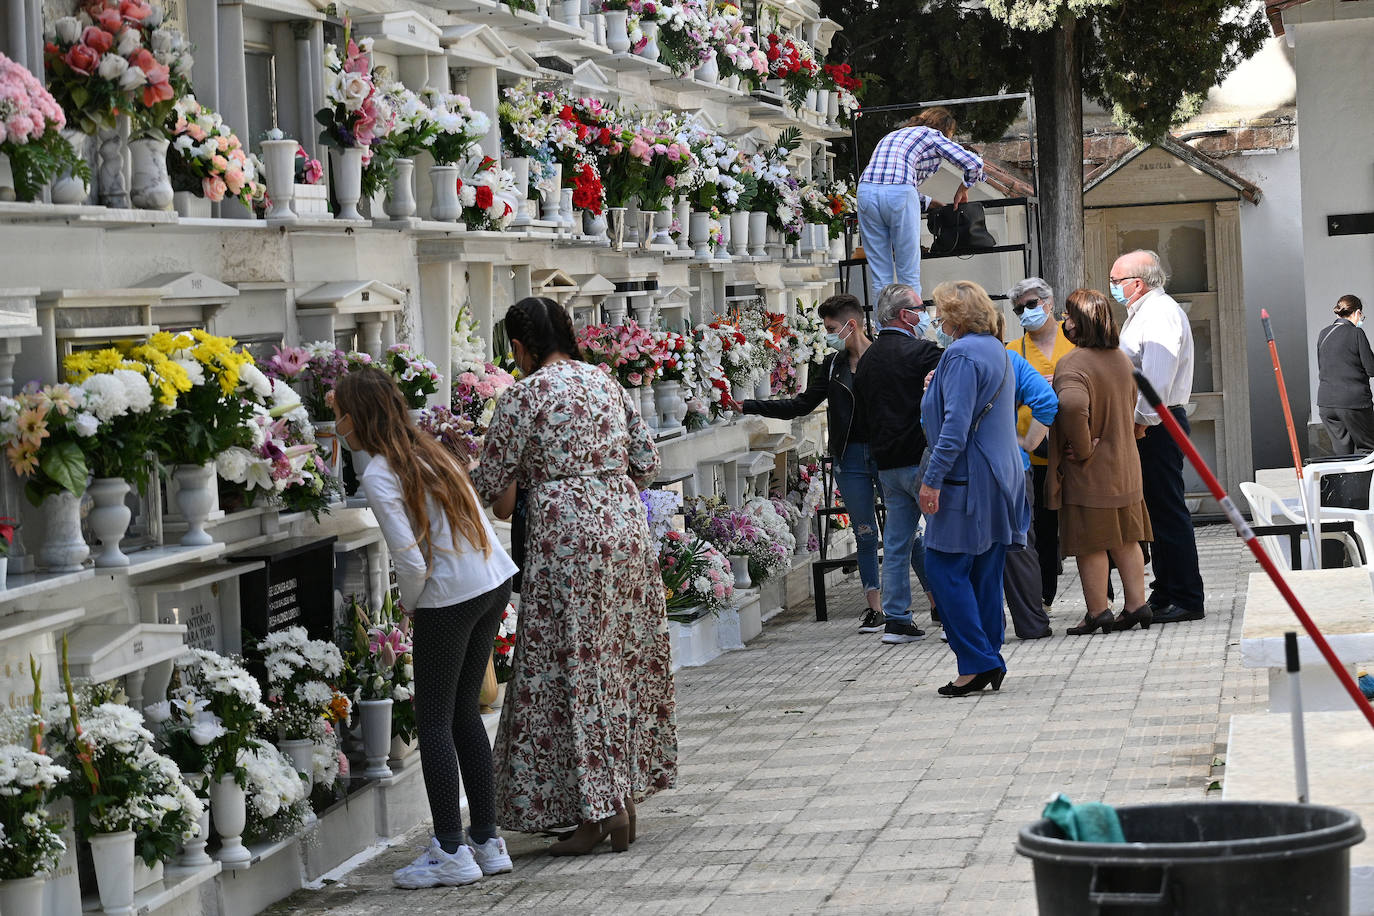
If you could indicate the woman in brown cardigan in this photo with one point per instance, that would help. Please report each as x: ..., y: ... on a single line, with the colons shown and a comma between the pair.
x: 1094, y: 473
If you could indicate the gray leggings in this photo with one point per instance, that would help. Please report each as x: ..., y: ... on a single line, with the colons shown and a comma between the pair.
x: 452, y: 645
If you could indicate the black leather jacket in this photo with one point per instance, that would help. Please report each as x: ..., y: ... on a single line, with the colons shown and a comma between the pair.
x: 834, y: 384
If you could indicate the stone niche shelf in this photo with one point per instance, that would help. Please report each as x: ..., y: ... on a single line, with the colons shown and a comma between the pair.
x: 166, y: 895
x: 30, y: 585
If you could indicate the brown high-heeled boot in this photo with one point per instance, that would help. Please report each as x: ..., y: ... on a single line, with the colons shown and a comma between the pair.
x: 589, y: 833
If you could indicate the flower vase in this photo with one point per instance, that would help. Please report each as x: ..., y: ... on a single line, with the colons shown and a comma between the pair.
x: 22, y: 895
x: 615, y: 226
x: 444, y: 206
x: 400, y: 193
x: 114, y: 190
x: 549, y: 198
x: 740, y: 393
x: 63, y: 549
x: 401, y: 750
x: 648, y: 409
x: 822, y: 101
x: 810, y: 104
x: 301, y: 753
x: 700, y: 236
x: 801, y: 533
x: 632, y: 221
x: 150, y: 186
x: 731, y: 82
x: 566, y: 221
x: 4, y: 573
x: 112, y: 854
x: 763, y: 385
x: 650, y: 50
x: 570, y: 12
x: 837, y: 248
x: 190, y: 205
x: 670, y: 405
x: 491, y: 688
x: 739, y: 234
x: 596, y: 24
x: 279, y: 161
x: 109, y: 519
x: 739, y: 565
x: 660, y: 236
x: 520, y: 168
x: 758, y: 234
x: 723, y: 248
x: 832, y: 108
x: 709, y: 70
x: 682, y: 215
x: 68, y: 188
x: 348, y: 180
x: 803, y: 372
x: 195, y: 498
x: 775, y: 87
x: 376, y: 726
x: 594, y: 224
x: 228, y: 808
x: 327, y: 437
x: 193, y: 853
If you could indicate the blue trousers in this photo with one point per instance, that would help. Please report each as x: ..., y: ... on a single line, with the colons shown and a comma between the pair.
x: 968, y: 590
x: 903, y: 545
x: 856, y: 476
x: 890, y: 222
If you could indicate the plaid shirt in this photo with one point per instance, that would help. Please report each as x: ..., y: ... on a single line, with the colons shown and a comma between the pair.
x: 910, y: 155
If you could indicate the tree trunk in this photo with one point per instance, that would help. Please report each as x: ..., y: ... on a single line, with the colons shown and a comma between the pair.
x: 1056, y: 81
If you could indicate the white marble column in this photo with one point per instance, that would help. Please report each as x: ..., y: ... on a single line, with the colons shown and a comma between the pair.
x: 233, y: 86
x: 309, y: 84
x: 436, y: 322
x: 370, y: 336
x: 484, y: 94
x: 203, y: 30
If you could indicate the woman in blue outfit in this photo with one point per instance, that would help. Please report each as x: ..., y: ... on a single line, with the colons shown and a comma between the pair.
x: 973, y: 488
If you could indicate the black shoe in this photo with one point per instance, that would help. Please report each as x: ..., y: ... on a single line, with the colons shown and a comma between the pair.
x: 895, y: 633
x: 980, y: 682
x: 1174, y: 614
x: 872, y: 622
x: 934, y: 616
x: 1091, y: 623
x: 1048, y: 633
x: 1143, y: 615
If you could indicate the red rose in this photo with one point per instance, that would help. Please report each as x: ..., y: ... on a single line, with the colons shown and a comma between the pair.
x: 605, y: 138
x: 96, y: 39
x: 109, y: 20
x: 82, y: 59
x: 484, y: 196
x: 567, y: 114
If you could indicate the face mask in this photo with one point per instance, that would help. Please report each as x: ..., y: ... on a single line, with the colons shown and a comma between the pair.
x: 943, y: 339
x: 1071, y: 333
x: 835, y: 340
x: 1360, y: 323
x: 1033, y: 318
x: 922, y: 323
x: 1118, y: 293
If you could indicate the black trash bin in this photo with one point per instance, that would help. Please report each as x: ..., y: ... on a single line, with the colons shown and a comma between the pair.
x: 1200, y: 858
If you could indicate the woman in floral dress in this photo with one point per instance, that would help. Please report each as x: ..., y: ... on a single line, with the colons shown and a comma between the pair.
x: 588, y: 726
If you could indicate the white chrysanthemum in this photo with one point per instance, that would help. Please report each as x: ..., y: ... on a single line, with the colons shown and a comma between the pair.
x: 105, y: 396
x: 252, y: 376
x: 137, y: 392
x: 232, y: 464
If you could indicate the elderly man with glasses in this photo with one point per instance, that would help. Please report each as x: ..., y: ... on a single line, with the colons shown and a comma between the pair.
x: 1042, y: 344
x: 1159, y: 341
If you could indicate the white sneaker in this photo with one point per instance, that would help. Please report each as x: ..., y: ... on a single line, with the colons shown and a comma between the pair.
x: 491, y: 856
x: 436, y: 868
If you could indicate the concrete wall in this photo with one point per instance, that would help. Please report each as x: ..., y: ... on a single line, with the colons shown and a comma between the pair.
x: 1336, y: 108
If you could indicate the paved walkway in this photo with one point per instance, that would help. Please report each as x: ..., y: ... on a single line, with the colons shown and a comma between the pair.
x: 821, y: 773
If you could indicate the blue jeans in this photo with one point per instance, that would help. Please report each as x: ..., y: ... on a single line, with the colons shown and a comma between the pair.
x: 902, y: 542
x: 969, y: 591
x: 857, y: 477
x: 890, y: 222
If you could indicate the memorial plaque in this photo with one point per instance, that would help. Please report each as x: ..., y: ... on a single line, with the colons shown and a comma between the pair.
x: 198, y: 609
x: 351, y: 579
x: 16, y: 675
x: 294, y: 588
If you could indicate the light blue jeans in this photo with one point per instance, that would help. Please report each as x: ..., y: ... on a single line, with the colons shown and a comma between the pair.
x: 857, y: 478
x: 903, y: 545
x: 890, y: 222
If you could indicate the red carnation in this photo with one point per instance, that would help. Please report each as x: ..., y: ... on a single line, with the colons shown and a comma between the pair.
x: 484, y: 196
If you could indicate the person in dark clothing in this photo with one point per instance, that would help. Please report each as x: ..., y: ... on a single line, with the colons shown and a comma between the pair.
x: 1345, y: 364
x: 887, y: 387
x: 855, y: 474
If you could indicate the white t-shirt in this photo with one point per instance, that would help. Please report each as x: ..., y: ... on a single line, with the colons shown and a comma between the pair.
x: 455, y: 576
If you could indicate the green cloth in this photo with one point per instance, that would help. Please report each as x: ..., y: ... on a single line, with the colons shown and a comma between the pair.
x: 1092, y: 822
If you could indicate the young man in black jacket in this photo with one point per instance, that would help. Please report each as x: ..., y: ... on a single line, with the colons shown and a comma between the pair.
x: 888, y: 387
x: 855, y: 474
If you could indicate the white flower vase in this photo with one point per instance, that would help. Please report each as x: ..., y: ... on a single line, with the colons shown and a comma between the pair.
x: 758, y: 234
x: 279, y: 161
x: 594, y: 224
x: 684, y: 224
x: 731, y: 82
x: 114, y: 190
x: 615, y: 311
x: 739, y: 233
x: 832, y: 108
x: 400, y: 193
x: 376, y: 726
x: 109, y: 519
x: 401, y: 750
x: 112, y: 854
x: 740, y: 393
x: 596, y: 25
x: 650, y: 50
x: 190, y: 205
x: 810, y: 100
x: 763, y: 385
x: 803, y: 372
x: 670, y: 405
x: 444, y: 207
x: 570, y: 13
x: 68, y: 188
x: 63, y: 548
x: 549, y: 202
x: 822, y: 101
x: 22, y: 895
x: 229, y: 808
x: 617, y: 32
x: 301, y: 753
x: 193, y: 853
x: 837, y: 248
x: 700, y: 236
x: 807, y: 239
x: 615, y: 226
x: 775, y: 87
x: 709, y: 70
x: 566, y: 220
x: 663, y: 223
x: 801, y: 531
x: 327, y: 437
x: 4, y: 574
x: 739, y: 565
x: 195, y: 499
x: 520, y: 168
x: 348, y: 180
x: 648, y: 409
x: 150, y: 186
x: 633, y: 218
x: 723, y: 249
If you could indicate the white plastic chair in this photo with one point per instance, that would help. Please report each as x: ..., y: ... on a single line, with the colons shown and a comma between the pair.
x: 1362, y: 518
x: 1266, y: 508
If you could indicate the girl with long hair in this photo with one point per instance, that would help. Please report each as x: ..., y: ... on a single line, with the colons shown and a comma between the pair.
x: 455, y: 582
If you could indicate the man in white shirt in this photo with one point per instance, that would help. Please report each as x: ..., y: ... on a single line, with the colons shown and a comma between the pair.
x: 1159, y: 341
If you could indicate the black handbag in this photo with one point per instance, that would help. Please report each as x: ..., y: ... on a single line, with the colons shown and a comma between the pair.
x: 959, y: 229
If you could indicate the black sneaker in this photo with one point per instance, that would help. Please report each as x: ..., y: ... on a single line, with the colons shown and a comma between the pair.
x: 872, y: 622
x: 895, y: 633
x: 934, y: 616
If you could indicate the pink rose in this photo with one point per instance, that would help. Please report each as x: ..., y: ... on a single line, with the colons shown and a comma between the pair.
x: 222, y: 142
x: 97, y: 39
x: 109, y: 20
x: 214, y: 188
x: 634, y: 378
x: 220, y: 163
x: 467, y: 378
x: 82, y: 59
x: 235, y: 180
x: 195, y: 132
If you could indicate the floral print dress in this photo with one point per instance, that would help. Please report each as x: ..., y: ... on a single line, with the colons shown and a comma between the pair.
x: 589, y: 713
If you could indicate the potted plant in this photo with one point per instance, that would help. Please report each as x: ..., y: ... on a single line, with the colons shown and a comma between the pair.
x: 460, y: 126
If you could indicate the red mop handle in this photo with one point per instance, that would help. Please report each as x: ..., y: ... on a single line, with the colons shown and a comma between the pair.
x: 1232, y: 513
x: 1283, y: 393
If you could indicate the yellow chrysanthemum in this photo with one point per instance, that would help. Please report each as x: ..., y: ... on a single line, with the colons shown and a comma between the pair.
x: 23, y: 458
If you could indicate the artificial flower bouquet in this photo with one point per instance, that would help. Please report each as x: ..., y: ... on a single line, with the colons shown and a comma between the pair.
x: 755, y: 530
x: 808, y: 334
x: 301, y: 673
x: 673, y: 353
x: 50, y: 439
x: 31, y: 121
x: 380, y: 663
x: 488, y: 195
x: 715, y: 181
x: 313, y: 369
x: 453, y: 430
x: 589, y: 193
x: 722, y: 343
x: 417, y: 377
x: 698, y: 412
x: 737, y: 52
x: 777, y: 191
x: 626, y: 352
x: 524, y: 120
x: 503, y: 646
x: 644, y: 10
x: 213, y: 707
x: 661, y: 508
x: 356, y: 114
x: 663, y: 160
x: 30, y: 842
x: 695, y: 574
x: 842, y: 207
x: 308, y: 170
x: 118, y: 392
x: 278, y: 796
x: 207, y: 159
x: 770, y: 554
x: 847, y: 87
x: 684, y: 35
x: 475, y: 392
x: 459, y: 126
x: 283, y: 460
x: 411, y: 130
x: 792, y: 60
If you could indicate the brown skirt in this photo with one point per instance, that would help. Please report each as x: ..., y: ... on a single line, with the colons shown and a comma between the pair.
x: 1085, y: 530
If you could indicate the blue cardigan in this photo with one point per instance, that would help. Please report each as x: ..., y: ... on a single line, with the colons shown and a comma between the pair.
x: 1036, y: 393
x: 980, y: 475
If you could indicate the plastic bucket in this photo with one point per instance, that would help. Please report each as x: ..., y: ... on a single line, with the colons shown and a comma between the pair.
x: 1200, y: 858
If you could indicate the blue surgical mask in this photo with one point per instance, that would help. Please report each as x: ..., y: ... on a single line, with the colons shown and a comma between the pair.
x: 1117, y: 292
x: 943, y: 339
x: 1033, y: 318
x: 922, y: 322
x: 834, y: 341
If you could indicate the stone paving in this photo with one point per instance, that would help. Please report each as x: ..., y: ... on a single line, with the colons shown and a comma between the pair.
x: 821, y: 773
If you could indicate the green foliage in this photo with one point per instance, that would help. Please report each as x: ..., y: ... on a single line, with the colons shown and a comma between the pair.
x: 41, y: 160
